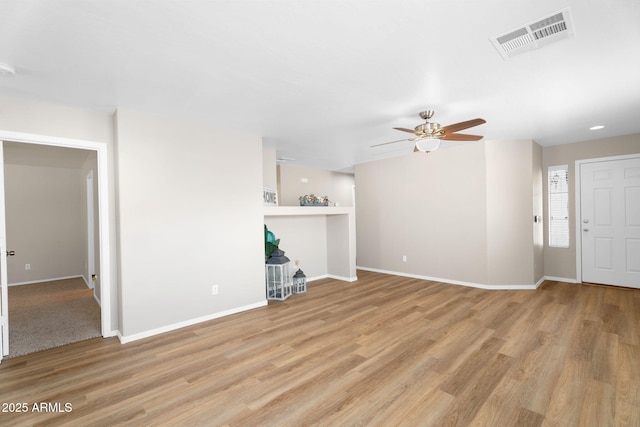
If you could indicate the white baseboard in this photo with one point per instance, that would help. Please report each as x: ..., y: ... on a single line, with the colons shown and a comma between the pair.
x: 560, y: 279
x: 88, y: 282
x: 93, y: 288
x: 129, y: 338
x: 332, y: 276
x: 110, y: 334
x: 457, y: 282
x: 47, y: 280
x: 311, y: 279
x: 343, y: 278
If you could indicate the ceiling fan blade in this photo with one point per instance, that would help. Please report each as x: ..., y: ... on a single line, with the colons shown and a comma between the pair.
x: 406, y: 130
x: 463, y: 125
x: 461, y: 137
x: 390, y: 142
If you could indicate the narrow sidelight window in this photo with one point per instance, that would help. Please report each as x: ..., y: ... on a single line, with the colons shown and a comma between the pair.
x: 559, y: 206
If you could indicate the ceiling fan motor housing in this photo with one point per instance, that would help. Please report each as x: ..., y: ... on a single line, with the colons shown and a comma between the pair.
x: 427, y: 128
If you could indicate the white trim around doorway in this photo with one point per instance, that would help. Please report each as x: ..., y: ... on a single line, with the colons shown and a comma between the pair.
x: 103, y: 208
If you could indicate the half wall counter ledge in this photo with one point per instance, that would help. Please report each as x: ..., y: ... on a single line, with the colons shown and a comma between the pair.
x: 323, y: 238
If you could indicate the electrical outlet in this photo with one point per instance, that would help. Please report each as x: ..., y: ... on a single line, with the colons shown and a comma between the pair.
x: 27, y: 266
x: 404, y: 258
x: 214, y: 290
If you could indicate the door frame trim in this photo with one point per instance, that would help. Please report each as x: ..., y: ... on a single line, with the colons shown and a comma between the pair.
x: 578, y: 210
x: 4, y: 282
x: 91, y: 257
x: 103, y: 208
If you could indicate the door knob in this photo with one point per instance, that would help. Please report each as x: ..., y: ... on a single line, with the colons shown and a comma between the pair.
x: 11, y: 253
x: 586, y: 221
x: 585, y: 229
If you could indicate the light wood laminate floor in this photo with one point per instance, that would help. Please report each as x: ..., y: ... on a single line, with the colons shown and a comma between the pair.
x: 382, y: 351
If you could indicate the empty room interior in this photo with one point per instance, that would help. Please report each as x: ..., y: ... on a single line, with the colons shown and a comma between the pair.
x: 320, y: 213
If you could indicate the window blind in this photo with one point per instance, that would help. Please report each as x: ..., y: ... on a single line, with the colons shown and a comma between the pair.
x: 559, y: 206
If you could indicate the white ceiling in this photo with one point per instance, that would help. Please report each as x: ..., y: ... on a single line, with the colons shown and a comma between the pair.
x: 322, y: 80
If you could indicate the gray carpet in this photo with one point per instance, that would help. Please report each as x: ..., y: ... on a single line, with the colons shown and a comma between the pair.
x: 50, y: 314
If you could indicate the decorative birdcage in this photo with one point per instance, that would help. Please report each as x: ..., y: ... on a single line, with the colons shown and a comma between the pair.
x: 278, y: 276
x: 299, y: 282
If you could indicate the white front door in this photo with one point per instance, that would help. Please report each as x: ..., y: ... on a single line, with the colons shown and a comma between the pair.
x: 4, y: 303
x: 610, y: 222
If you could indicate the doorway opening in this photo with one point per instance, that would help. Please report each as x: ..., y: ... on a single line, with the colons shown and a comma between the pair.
x: 101, y: 268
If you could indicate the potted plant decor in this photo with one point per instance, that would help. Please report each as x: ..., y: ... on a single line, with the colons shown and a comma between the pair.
x: 313, y: 200
x: 270, y: 242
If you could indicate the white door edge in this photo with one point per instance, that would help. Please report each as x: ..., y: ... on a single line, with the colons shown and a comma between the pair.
x: 91, y: 269
x: 4, y: 285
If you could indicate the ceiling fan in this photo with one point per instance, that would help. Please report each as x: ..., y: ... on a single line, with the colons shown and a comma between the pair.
x: 429, y: 134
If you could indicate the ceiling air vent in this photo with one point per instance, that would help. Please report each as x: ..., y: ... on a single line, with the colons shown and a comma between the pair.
x: 535, y: 35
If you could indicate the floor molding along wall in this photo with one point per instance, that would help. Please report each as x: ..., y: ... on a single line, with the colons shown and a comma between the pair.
x: 332, y: 276
x: 457, y: 282
x: 134, y: 337
x: 344, y: 279
x: 561, y: 279
x: 50, y: 280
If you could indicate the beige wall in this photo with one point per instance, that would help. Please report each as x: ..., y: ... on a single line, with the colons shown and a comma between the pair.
x: 21, y: 115
x: 513, y: 198
x: 188, y: 218
x: 430, y: 208
x: 537, y: 184
x: 452, y: 213
x: 561, y: 262
x: 269, y: 175
x: 44, y: 222
x: 337, y: 186
x: 303, y: 239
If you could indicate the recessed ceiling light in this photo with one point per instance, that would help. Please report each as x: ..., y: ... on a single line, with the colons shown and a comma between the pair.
x: 596, y: 127
x: 7, y: 70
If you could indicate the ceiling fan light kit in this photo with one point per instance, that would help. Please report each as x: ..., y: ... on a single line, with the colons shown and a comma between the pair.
x: 427, y: 145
